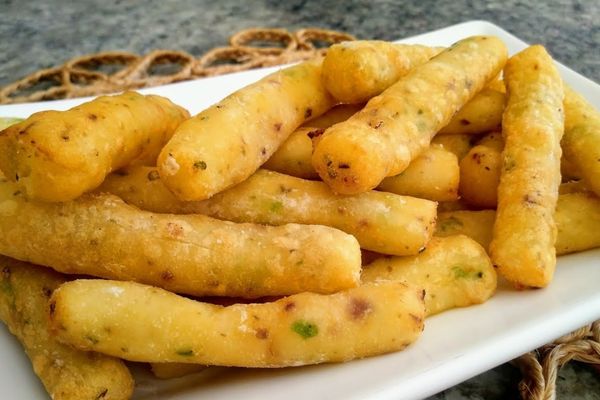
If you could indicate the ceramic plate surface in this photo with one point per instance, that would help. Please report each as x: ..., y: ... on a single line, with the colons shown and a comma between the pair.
x: 455, y: 345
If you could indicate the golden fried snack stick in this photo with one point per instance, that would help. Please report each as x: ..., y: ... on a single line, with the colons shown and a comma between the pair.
x: 294, y: 156
x: 525, y: 231
x: 174, y: 370
x: 577, y: 219
x: 339, y: 113
x: 356, y: 71
x: 58, y: 155
x: 228, y: 142
x: 478, y: 225
x: 480, y: 172
x: 455, y: 271
x: 102, y: 236
x: 382, y: 222
x: 66, y: 373
x: 137, y: 322
x: 434, y: 175
x: 396, y: 126
x: 581, y: 141
x: 482, y: 114
x: 457, y: 144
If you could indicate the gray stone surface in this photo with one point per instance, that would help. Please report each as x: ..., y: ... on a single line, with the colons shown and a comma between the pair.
x: 40, y: 34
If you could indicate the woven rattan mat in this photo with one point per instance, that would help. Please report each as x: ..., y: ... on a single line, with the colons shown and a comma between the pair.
x: 253, y: 48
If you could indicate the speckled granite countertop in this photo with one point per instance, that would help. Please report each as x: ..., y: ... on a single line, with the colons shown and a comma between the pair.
x: 36, y: 34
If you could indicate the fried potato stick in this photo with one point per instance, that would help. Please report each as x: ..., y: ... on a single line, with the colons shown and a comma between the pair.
x: 483, y: 113
x: 478, y: 225
x: 382, y: 222
x: 58, y: 155
x: 356, y: 71
x: 228, y: 142
x: 577, y: 219
x: 581, y: 141
x: 480, y: 172
x: 66, y: 373
x: 102, y: 236
x: 457, y: 144
x: 525, y: 231
x: 434, y: 175
x: 398, y: 125
x: 294, y: 156
x: 454, y: 271
x: 143, y: 323
x: 339, y: 113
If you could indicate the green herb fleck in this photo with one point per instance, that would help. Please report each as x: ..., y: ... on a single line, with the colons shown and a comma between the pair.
x: 509, y: 163
x: 7, y: 290
x: 459, y: 272
x: 92, y: 339
x: 450, y: 224
x: 200, y: 165
x: 276, y: 206
x: 305, y: 329
x: 185, y: 352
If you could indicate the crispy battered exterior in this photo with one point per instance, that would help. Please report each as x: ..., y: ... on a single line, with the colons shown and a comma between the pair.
x: 581, y: 141
x: 228, y: 142
x: 293, y: 157
x: 478, y: 225
x: 58, y: 155
x: 525, y: 232
x: 67, y: 373
x: 480, y: 172
x: 382, y: 222
x: 356, y: 71
x: 339, y: 113
x: 434, y: 175
x: 143, y: 323
x: 102, y: 236
x: 454, y: 271
x: 396, y: 126
x: 577, y: 219
x: 457, y: 144
x: 483, y: 113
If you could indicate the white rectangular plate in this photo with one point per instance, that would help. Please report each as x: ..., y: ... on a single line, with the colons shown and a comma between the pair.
x: 455, y: 346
